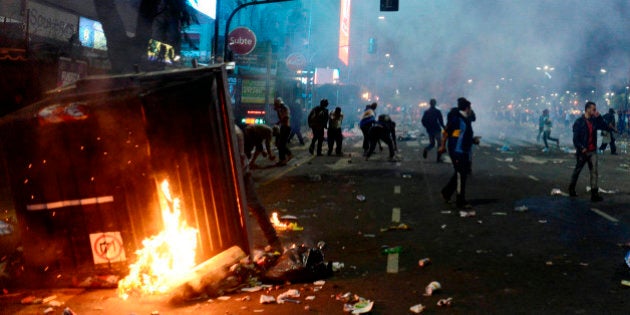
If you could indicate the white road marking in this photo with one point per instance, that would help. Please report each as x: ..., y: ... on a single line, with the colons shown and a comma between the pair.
x: 534, y: 178
x: 392, y: 263
x: 396, y: 215
x: 605, y: 215
x: 512, y: 167
x: 396, y: 189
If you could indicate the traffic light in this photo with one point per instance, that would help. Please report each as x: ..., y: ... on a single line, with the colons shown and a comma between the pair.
x: 372, y: 45
x: 389, y: 5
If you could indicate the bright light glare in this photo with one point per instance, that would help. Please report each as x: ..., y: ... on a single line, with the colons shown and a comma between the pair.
x: 207, y: 7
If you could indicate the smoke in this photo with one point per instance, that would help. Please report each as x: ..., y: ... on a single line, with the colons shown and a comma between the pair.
x: 492, y: 52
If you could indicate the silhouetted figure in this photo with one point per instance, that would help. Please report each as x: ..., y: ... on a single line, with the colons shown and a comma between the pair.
x: 434, y: 123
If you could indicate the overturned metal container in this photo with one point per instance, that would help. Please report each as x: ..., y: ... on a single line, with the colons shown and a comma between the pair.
x: 84, y: 164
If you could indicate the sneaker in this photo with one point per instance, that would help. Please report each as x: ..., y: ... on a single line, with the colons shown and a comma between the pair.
x: 311, y: 150
x: 281, y: 163
x: 545, y: 150
x: 424, y: 153
x: 596, y: 198
x: 289, y: 157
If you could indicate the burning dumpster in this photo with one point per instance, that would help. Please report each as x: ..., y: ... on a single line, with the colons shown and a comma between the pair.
x: 85, y: 166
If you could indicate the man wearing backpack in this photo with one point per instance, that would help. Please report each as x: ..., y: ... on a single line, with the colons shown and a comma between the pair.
x: 317, y: 121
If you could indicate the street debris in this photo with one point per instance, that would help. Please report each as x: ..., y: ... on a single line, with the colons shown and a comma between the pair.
x: 424, y: 262
x: 336, y: 266
x: 5, y: 228
x: 406, y: 176
x: 558, y: 192
x: 356, y: 304
x: 267, y: 299
x: 542, y: 221
x: 252, y: 289
x: 289, y: 296
x: 361, y: 197
x: 418, y: 308
x: 68, y: 311
x: 445, y: 302
x: 31, y: 300
x: 499, y: 213
x: 625, y: 282
x: 401, y: 226
x: 103, y: 281
x: 446, y: 212
x: 432, y: 287
x: 522, y: 208
x: 603, y: 191
x: 391, y: 250
x: 465, y: 214
x: 300, y: 264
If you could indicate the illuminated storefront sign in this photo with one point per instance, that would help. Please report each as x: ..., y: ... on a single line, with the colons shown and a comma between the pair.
x: 254, y: 91
x: 344, y: 31
x: 91, y: 34
x: 47, y: 22
x: 161, y: 52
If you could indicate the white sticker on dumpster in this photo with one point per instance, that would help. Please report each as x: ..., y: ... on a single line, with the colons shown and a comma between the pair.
x: 107, y: 247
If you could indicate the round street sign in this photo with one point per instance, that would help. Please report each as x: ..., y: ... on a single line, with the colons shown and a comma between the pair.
x: 242, y: 40
x: 296, y: 61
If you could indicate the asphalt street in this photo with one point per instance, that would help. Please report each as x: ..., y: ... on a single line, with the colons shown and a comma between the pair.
x: 524, y: 248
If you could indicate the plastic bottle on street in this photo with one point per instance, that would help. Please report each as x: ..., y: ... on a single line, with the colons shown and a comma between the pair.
x: 432, y: 287
x: 392, y: 250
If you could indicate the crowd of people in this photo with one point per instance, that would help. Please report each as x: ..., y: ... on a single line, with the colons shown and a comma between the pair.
x: 455, y: 138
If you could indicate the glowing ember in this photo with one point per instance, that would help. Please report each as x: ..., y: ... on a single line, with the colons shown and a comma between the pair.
x: 165, y: 257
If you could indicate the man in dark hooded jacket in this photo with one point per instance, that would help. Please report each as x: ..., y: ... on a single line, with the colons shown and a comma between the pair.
x: 459, y: 138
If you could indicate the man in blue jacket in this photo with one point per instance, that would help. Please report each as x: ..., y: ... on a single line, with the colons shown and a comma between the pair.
x: 459, y: 138
x: 585, y: 142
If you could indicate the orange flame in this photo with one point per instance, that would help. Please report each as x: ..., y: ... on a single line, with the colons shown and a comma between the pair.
x: 282, y: 226
x: 165, y: 257
x: 276, y: 222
